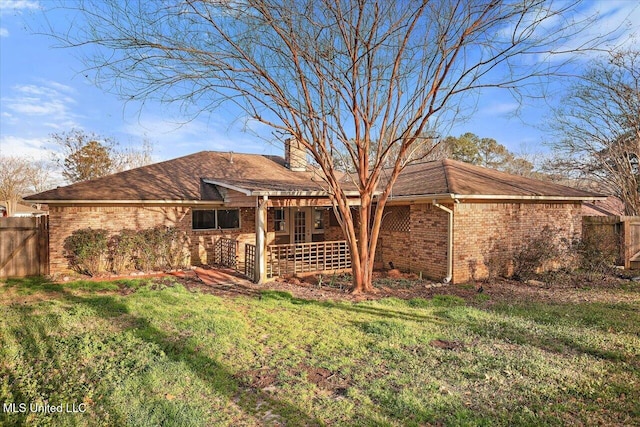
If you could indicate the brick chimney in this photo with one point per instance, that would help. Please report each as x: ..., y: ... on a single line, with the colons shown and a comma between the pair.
x: 295, y: 155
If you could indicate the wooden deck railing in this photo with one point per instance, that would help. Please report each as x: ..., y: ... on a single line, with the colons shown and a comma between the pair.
x: 249, y: 260
x: 226, y: 252
x: 307, y: 257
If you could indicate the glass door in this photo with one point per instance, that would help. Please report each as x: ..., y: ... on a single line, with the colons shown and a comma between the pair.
x: 300, y: 226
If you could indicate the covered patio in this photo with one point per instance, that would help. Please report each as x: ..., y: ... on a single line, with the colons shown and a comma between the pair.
x: 288, y: 240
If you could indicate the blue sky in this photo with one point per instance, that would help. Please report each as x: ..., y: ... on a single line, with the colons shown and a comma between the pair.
x: 43, y: 90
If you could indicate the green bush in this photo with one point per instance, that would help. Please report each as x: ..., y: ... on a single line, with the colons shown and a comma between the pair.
x: 87, y: 250
x: 92, y: 251
x: 173, y: 248
x: 149, y: 257
x: 160, y: 248
x: 122, y: 250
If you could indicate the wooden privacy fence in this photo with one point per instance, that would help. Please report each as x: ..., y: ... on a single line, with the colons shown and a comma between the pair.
x: 24, y: 246
x: 625, y: 230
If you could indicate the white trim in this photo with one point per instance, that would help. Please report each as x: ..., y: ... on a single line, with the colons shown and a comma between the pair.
x: 541, y: 198
x: 130, y: 202
x: 289, y: 193
x: 229, y: 186
x: 460, y: 197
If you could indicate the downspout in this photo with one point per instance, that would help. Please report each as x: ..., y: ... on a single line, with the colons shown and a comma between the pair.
x: 449, y: 242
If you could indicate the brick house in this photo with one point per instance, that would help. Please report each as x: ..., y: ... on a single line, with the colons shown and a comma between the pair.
x: 271, y: 215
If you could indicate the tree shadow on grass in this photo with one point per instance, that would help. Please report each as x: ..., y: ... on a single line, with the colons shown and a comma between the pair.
x: 37, y: 344
x: 386, y: 313
x: 253, y: 401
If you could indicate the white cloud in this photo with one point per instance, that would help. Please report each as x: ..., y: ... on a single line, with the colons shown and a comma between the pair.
x: 172, y: 138
x: 4, y: 32
x: 615, y: 26
x: 27, y: 101
x: 7, y: 6
x: 33, y: 148
x: 500, y: 108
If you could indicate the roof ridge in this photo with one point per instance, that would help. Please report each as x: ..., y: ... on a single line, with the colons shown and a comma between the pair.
x: 449, y: 181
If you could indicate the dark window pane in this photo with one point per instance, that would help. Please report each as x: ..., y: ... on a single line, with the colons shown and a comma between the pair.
x: 203, y: 220
x: 318, y: 219
x: 229, y: 218
x: 279, y: 223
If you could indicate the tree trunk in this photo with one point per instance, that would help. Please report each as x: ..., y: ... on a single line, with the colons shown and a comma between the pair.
x: 362, y: 258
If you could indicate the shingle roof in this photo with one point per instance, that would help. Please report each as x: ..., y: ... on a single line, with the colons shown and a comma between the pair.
x: 197, y: 177
x: 462, y: 179
x: 612, y: 206
x: 184, y: 179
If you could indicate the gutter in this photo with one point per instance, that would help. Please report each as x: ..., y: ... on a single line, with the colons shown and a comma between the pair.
x: 127, y: 202
x: 449, y: 242
x: 462, y: 197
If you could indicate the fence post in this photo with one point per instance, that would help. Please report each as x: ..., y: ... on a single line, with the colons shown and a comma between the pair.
x: 625, y: 242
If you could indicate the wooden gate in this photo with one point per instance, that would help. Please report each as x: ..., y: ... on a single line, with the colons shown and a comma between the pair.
x: 24, y: 246
x: 625, y: 230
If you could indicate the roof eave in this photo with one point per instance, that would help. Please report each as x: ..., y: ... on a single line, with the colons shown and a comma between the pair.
x: 244, y: 191
x: 301, y: 193
x: 127, y: 202
x: 277, y: 193
x: 453, y: 196
x: 528, y: 198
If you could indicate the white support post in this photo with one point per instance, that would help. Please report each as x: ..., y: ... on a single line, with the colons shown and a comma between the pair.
x: 260, y: 275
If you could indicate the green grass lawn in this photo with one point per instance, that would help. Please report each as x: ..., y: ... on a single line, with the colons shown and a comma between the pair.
x: 162, y: 355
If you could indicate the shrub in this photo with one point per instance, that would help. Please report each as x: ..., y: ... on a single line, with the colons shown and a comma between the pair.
x: 161, y: 247
x: 173, y: 249
x: 536, y: 254
x: 87, y: 250
x: 122, y: 250
x: 598, y: 253
x: 496, y: 261
x: 149, y: 253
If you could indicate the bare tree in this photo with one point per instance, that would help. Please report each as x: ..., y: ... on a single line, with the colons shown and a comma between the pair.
x: 365, y: 78
x: 598, y: 128
x: 41, y: 178
x: 19, y: 177
x: 130, y: 158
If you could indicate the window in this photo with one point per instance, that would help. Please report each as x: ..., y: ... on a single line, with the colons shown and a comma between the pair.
x: 215, y: 218
x: 228, y: 218
x: 203, y: 220
x: 318, y: 219
x: 279, y: 220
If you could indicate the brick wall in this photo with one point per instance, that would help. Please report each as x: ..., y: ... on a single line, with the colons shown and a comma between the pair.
x: 420, y: 249
x: 63, y: 220
x: 485, y: 235
x: 490, y: 234
x: 428, y: 250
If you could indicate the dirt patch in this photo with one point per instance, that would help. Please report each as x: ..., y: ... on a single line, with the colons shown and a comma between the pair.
x: 446, y: 345
x: 258, y: 378
x: 266, y: 379
x: 561, y: 288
